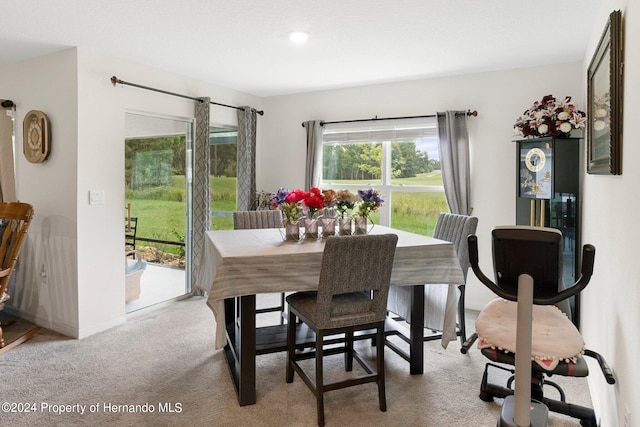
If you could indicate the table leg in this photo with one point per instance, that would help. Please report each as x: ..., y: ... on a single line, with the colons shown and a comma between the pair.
x: 416, y: 331
x: 241, y: 347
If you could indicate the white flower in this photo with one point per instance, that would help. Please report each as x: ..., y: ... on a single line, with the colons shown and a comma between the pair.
x: 565, y: 127
x: 598, y: 125
x: 601, y: 112
x: 539, y: 114
x: 563, y: 115
x: 542, y: 129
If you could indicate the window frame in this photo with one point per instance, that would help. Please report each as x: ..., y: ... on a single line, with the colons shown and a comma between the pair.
x: 385, y: 187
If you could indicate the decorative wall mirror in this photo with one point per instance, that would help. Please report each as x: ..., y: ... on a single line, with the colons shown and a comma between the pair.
x: 604, y: 101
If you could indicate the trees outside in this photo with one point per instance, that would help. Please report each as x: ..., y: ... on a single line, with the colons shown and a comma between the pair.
x: 363, y: 161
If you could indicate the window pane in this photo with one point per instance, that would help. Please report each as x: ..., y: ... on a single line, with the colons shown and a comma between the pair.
x: 417, y: 212
x: 223, y: 170
x: 415, y: 163
x: 354, y: 163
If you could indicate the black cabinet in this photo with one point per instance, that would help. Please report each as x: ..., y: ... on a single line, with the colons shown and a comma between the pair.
x: 548, y: 194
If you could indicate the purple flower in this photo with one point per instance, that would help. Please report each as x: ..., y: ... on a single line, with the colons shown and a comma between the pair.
x: 280, y: 197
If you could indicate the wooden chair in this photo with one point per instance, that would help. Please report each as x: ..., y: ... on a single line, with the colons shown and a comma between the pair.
x: 15, y: 219
x: 453, y: 228
x: 243, y: 220
x: 352, y: 296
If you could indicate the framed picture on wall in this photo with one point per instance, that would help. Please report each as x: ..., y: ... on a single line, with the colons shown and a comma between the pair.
x: 604, y: 102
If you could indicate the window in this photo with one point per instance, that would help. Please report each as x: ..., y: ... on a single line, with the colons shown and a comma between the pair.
x: 223, y: 147
x: 398, y: 157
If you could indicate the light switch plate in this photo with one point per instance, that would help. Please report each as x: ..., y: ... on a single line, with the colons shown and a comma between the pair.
x: 96, y: 197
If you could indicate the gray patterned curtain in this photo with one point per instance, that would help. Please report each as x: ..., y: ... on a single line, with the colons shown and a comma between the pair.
x: 454, y: 160
x: 246, y: 187
x: 314, y: 144
x: 201, y: 196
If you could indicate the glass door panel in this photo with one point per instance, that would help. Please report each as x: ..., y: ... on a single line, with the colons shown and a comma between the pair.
x: 158, y: 195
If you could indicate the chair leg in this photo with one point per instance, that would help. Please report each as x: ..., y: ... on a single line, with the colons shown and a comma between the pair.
x: 382, y: 396
x: 319, y: 392
x: 348, y: 354
x: 291, y: 346
x: 461, y: 318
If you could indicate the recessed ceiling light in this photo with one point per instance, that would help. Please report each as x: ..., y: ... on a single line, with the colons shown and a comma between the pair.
x: 298, y: 36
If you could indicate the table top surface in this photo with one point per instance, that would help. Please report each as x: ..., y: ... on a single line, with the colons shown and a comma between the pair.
x: 269, y: 241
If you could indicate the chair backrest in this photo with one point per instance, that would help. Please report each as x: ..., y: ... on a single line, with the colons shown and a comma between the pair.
x: 355, y: 264
x: 15, y: 218
x: 257, y: 219
x: 456, y: 228
x: 536, y: 251
x: 130, y: 231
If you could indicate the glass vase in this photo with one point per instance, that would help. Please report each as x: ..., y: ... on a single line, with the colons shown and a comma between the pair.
x: 310, y: 228
x: 292, y: 231
x: 360, y: 225
x: 344, y: 226
x: 328, y: 226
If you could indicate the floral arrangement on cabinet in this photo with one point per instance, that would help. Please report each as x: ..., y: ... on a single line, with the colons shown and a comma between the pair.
x: 550, y: 117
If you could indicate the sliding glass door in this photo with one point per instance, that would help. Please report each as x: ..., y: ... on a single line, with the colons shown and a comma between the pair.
x: 158, y: 201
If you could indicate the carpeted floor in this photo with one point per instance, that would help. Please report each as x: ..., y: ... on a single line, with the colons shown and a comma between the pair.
x: 160, y: 369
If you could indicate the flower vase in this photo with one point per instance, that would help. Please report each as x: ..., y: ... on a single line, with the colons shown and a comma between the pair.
x: 310, y: 228
x: 344, y: 226
x: 292, y: 231
x: 328, y: 226
x: 360, y: 225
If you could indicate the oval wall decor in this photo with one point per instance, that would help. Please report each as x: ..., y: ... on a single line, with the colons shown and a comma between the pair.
x: 36, y: 136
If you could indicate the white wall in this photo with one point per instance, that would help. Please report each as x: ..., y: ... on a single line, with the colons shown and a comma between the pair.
x: 610, y: 305
x: 80, y: 246
x: 48, y: 264
x: 499, y: 98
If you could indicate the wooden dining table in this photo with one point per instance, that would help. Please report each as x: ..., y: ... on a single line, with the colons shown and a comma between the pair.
x: 238, y: 264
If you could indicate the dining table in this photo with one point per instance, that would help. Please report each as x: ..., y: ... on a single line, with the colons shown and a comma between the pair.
x: 236, y: 265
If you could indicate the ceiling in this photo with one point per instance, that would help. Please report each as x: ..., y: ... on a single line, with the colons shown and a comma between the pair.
x: 243, y: 44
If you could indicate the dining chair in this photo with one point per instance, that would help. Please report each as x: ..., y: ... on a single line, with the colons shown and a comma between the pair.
x: 15, y: 218
x: 453, y: 228
x: 243, y: 220
x: 355, y: 273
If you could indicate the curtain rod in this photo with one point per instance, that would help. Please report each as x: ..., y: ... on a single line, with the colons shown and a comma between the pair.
x: 115, y: 80
x: 473, y: 113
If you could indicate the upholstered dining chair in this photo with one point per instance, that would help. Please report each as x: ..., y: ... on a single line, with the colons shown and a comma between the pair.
x: 15, y: 218
x: 352, y: 295
x: 243, y: 220
x: 453, y: 228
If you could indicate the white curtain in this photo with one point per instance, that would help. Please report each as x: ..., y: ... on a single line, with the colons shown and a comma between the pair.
x: 454, y: 160
x: 314, y: 145
x: 246, y: 166
x: 201, y: 190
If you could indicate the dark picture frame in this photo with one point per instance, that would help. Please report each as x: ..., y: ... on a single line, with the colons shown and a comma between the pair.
x: 604, y: 101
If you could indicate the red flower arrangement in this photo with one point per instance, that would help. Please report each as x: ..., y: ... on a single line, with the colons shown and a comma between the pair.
x: 313, y: 201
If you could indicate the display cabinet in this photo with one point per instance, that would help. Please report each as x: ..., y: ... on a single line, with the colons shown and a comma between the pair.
x: 548, y: 194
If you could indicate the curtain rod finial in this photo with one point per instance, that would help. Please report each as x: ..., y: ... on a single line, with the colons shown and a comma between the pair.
x: 115, y: 80
x: 473, y: 113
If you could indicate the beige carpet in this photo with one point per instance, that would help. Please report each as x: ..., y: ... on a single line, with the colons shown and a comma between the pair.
x: 164, y: 361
